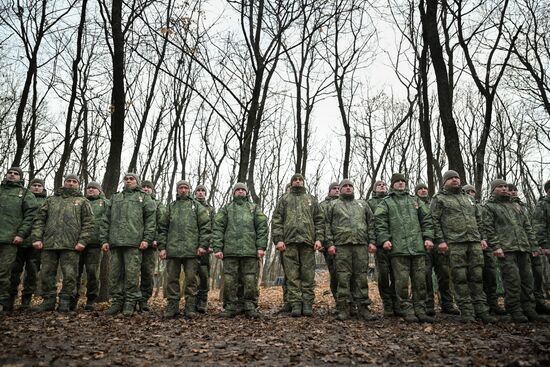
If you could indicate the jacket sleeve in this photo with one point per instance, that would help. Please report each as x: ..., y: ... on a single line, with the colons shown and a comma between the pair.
x: 381, y: 223
x: 436, y: 211
x: 489, y: 228
x: 529, y: 232
x: 540, y: 225
x: 149, y: 219
x: 371, y: 233
x: 319, y: 222
x: 329, y: 216
x: 426, y: 222
x: 87, y: 223
x: 105, y: 224
x: 277, y: 221
x: 160, y: 212
x: 260, y: 222
x: 40, y: 222
x: 218, y: 231
x: 479, y: 219
x: 163, y: 225
x: 205, y: 227
x: 30, y: 207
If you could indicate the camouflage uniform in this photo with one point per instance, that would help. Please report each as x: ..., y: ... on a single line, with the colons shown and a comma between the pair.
x: 298, y: 222
x: 330, y: 259
x: 185, y: 227
x: 240, y: 230
x: 406, y: 222
x: 204, y: 265
x: 130, y: 220
x: 350, y: 229
x: 64, y: 220
x: 17, y: 209
x: 541, y: 224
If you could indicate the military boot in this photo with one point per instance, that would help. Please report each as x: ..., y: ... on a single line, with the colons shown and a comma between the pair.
x: 343, y: 311
x: 202, y: 306
x: 467, y: 319
x: 144, y: 306
x: 410, y: 318
x: 9, y: 305
x: 307, y: 310
x: 73, y: 303
x: 251, y: 312
x: 450, y: 310
x: 296, y: 310
x: 128, y: 309
x: 519, y: 318
x: 486, y: 318
x: 533, y: 316
x: 114, y: 309
x: 26, y: 302
x: 497, y: 310
x: 425, y: 318
x: 542, y: 308
x: 65, y: 305
x: 229, y: 312
x: 90, y: 303
x: 353, y: 309
x: 172, y: 310
x: 47, y: 305
x: 190, y: 308
x: 286, y: 308
x: 364, y: 313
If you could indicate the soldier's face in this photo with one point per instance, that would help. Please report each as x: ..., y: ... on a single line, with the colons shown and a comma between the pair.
x: 148, y: 189
x: 240, y: 193
x: 183, y: 190
x: 13, y: 176
x: 399, y: 185
x: 37, y: 188
x: 347, y: 189
x: 71, y: 183
x: 513, y: 193
x: 422, y: 192
x: 200, y: 194
x: 472, y: 193
x: 381, y: 187
x: 501, y: 190
x: 130, y: 182
x: 298, y: 182
x: 453, y: 182
x: 334, y: 192
x: 92, y: 192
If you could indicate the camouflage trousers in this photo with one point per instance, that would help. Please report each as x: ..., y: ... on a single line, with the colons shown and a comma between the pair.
x: 90, y: 259
x: 240, y: 273
x: 413, y: 268
x: 8, y: 254
x: 490, y: 276
x: 299, y: 260
x: 467, y: 276
x: 538, y: 278
x: 173, y: 271
x: 352, y: 265
x: 125, y: 271
x: 285, y: 283
x: 27, y: 259
x: 204, y: 274
x: 517, y: 277
x: 386, y: 282
x: 331, y: 266
x: 148, y: 257
x: 67, y: 260
x: 439, y: 263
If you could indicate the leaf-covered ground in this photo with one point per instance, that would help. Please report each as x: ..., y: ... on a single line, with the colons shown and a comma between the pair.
x: 93, y: 339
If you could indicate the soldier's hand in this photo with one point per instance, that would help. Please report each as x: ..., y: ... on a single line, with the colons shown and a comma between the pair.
x: 443, y: 247
x: 260, y: 253
x: 210, y: 250
x: 498, y: 253
x: 546, y: 251
x: 280, y: 246
x: 201, y: 251
x: 387, y: 245
x: 17, y: 240
x: 162, y: 254
x: 318, y: 246
x: 105, y: 247
x: 154, y: 244
x: 143, y: 245
x: 219, y: 255
x: 537, y: 252
x: 332, y: 250
x: 372, y: 248
x: 38, y: 245
x: 484, y: 245
x: 79, y: 247
x: 428, y: 245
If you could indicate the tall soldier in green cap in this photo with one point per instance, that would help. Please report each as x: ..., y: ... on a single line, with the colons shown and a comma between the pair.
x: 239, y: 239
x: 350, y: 237
x: 404, y: 231
x: 456, y: 217
x: 333, y: 194
x: 298, y: 229
x: 28, y: 258
x: 490, y: 266
x: 129, y: 228
x: 17, y: 209
x: 204, y: 260
x: 62, y: 229
x: 184, y: 234
x: 90, y: 258
x: 511, y: 237
x: 150, y: 254
x: 537, y: 259
x: 541, y: 224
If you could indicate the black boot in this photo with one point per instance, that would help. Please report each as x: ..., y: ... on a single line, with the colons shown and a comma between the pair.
x: 90, y: 303
x: 26, y: 302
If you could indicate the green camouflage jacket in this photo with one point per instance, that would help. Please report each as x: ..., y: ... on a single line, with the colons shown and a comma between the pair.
x: 130, y: 219
x: 40, y: 200
x: 350, y: 222
x: 17, y: 209
x: 405, y: 221
x: 64, y: 220
x: 100, y: 206
x: 240, y: 229
x: 211, y: 215
x: 324, y: 206
x: 507, y: 226
x: 297, y: 218
x: 375, y: 200
x: 185, y: 227
x: 455, y: 217
x: 541, y: 222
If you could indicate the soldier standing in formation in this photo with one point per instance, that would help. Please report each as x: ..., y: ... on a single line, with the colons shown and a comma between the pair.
x: 333, y: 194
x: 541, y: 225
x: 204, y: 260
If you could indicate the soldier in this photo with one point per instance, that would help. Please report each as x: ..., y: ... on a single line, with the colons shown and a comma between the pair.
x: 386, y: 283
x: 184, y: 234
x: 350, y: 237
x: 149, y: 256
x: 18, y: 207
x: 490, y: 270
x: 204, y: 260
x: 129, y: 228
x: 541, y: 224
x: 298, y: 229
x: 512, y: 240
x: 333, y: 193
x: 62, y: 229
x: 90, y: 258
x: 27, y: 258
x: 239, y: 239
x: 456, y: 217
x: 537, y: 258
x: 286, y: 306
x: 439, y: 262
x: 404, y: 230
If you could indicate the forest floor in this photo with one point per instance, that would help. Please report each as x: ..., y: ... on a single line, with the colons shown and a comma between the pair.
x: 146, y: 339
